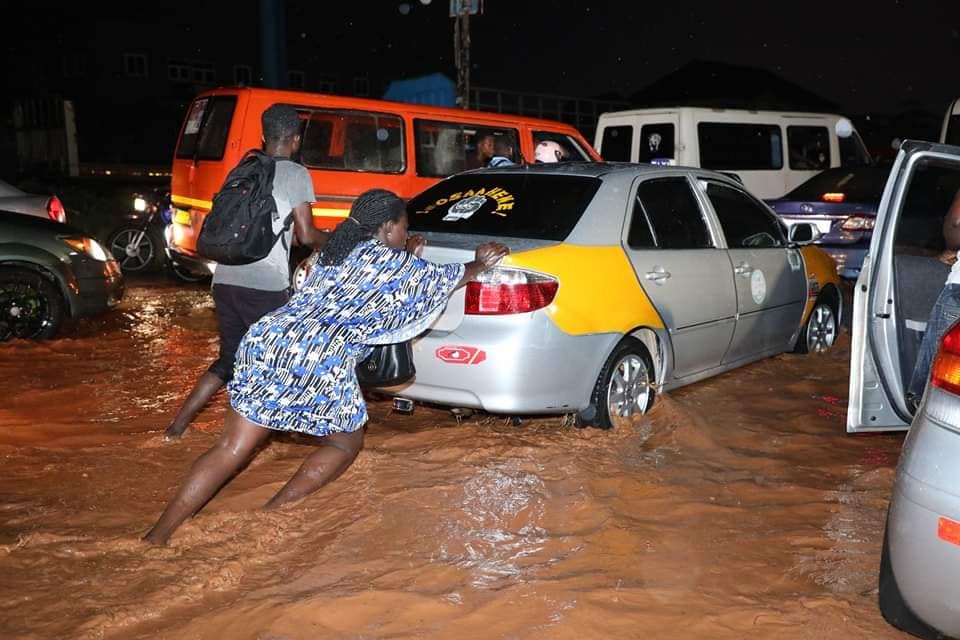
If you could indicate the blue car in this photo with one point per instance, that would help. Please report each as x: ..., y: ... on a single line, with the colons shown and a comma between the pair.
x: 843, y: 204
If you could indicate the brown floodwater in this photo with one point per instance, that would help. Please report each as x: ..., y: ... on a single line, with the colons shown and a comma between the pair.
x: 737, y: 509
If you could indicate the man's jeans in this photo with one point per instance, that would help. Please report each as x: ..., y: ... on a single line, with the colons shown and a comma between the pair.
x: 945, y: 312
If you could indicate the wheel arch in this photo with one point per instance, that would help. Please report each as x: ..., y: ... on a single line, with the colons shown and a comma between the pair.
x: 658, y: 346
x: 832, y: 295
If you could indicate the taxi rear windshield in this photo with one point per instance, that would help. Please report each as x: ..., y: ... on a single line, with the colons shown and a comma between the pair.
x: 515, y: 205
x: 204, y: 135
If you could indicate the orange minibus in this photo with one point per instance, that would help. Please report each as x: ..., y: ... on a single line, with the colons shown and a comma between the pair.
x: 349, y: 145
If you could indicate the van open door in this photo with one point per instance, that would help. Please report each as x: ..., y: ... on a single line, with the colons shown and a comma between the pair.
x: 898, y: 284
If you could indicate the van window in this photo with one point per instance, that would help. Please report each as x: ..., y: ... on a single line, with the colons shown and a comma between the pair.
x: 747, y: 147
x: 853, y: 153
x: 656, y: 143
x: 351, y: 140
x: 573, y: 148
x: 808, y: 147
x: 445, y: 148
x: 510, y: 205
x: 615, y: 144
x: 745, y: 222
x: 204, y: 135
x: 673, y: 213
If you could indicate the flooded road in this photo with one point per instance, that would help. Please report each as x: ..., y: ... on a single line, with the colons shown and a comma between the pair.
x: 737, y: 509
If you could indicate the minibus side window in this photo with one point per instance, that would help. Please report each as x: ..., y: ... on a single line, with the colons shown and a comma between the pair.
x: 615, y: 144
x: 808, y: 147
x: 352, y: 141
x: 574, y: 150
x: 446, y: 148
x: 656, y: 143
x: 739, y: 146
x: 205, y: 133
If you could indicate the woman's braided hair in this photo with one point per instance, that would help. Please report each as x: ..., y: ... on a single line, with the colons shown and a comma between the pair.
x: 369, y: 212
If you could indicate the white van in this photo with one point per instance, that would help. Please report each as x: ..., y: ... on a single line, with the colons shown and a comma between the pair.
x: 771, y: 152
x: 950, y: 132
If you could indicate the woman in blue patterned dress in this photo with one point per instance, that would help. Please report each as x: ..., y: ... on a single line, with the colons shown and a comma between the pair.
x: 295, y: 368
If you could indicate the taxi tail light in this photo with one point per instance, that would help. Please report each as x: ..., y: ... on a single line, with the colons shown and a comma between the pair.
x: 858, y: 223
x: 55, y: 210
x: 833, y: 197
x: 946, y: 366
x: 502, y: 291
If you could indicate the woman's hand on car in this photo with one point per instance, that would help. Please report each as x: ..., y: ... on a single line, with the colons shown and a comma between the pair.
x: 490, y: 253
x: 415, y: 245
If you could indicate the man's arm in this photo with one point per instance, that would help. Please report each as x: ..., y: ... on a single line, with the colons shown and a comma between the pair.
x: 303, y: 228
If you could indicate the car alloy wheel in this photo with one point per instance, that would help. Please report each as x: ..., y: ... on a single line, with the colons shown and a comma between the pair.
x: 628, y: 391
x: 623, y: 388
x: 821, y: 330
x: 30, y: 306
x: 134, y: 248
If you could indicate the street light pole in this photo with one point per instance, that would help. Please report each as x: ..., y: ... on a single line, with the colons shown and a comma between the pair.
x: 461, y: 51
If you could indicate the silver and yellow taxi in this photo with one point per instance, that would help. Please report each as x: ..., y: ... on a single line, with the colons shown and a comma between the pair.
x: 623, y: 280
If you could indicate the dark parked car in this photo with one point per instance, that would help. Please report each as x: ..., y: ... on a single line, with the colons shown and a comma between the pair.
x: 50, y: 271
x: 843, y: 204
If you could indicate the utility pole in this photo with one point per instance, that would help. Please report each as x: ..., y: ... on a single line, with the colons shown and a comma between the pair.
x: 273, y: 43
x: 460, y: 11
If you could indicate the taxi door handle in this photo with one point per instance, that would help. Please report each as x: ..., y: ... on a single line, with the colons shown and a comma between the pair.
x: 743, y: 269
x: 658, y: 275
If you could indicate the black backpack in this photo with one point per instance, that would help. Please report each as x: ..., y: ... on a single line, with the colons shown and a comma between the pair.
x: 239, y: 227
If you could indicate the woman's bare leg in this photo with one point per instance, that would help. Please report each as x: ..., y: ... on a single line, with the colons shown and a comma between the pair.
x: 207, y: 385
x: 209, y: 473
x: 324, y: 465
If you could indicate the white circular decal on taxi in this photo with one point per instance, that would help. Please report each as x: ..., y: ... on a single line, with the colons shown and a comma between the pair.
x: 465, y: 208
x: 758, y: 286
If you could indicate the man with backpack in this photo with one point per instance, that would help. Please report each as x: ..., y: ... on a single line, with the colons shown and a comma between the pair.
x: 246, y: 286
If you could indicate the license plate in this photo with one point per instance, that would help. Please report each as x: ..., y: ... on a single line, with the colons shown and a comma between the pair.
x: 182, y: 217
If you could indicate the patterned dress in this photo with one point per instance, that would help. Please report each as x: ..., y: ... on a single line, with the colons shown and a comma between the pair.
x: 295, y: 366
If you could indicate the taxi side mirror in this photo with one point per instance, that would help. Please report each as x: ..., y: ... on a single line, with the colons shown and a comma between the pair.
x: 803, y: 233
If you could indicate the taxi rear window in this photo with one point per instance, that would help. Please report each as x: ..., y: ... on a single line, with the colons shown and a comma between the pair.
x: 512, y: 205
x: 204, y: 135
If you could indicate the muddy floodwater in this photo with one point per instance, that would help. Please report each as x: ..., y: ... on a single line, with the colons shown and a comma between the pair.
x: 737, y: 509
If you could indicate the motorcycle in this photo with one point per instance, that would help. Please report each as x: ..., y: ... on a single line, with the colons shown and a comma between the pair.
x: 139, y: 243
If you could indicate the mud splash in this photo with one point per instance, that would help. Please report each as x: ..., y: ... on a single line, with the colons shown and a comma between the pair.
x: 738, y: 508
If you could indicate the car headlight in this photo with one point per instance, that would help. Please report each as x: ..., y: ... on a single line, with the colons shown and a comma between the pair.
x: 87, y: 246
x: 139, y: 204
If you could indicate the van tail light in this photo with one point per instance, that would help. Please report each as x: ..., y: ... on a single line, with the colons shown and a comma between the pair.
x: 55, y: 210
x: 858, y: 223
x: 502, y: 291
x: 833, y: 197
x: 946, y: 366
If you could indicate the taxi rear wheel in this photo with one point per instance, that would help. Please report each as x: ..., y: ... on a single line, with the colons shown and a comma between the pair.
x: 624, y: 387
x: 820, y: 332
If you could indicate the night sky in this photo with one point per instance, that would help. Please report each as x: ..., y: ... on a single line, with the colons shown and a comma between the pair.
x: 868, y: 56
x: 897, y: 60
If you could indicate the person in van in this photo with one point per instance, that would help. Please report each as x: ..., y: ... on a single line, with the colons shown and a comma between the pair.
x: 242, y: 294
x: 485, y: 150
x: 946, y: 310
x: 550, y: 151
x: 503, y: 152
